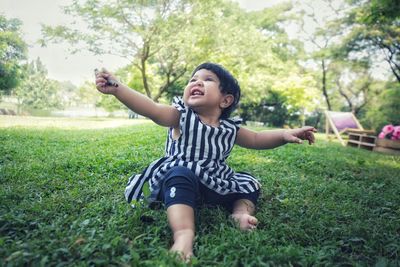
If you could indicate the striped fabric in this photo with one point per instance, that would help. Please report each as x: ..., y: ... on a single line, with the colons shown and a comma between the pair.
x: 201, y: 148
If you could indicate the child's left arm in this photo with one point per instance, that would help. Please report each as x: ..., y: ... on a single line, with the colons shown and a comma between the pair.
x: 274, y: 138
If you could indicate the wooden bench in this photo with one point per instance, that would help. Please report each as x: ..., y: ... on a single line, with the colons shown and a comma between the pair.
x: 361, y: 139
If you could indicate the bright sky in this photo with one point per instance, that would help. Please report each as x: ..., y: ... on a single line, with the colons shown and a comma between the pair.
x: 60, y: 64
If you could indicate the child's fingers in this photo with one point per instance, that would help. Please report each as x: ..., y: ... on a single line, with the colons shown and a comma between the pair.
x: 294, y: 139
x: 101, y: 78
x: 310, y: 137
x: 308, y: 134
x: 100, y: 81
x: 105, y: 73
x: 308, y: 129
x: 101, y: 73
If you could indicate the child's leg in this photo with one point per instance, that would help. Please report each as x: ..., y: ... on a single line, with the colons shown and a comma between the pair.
x: 242, y: 212
x: 180, y: 193
x: 181, y: 221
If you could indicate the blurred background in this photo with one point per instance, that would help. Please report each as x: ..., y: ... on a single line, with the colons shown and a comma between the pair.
x: 293, y: 59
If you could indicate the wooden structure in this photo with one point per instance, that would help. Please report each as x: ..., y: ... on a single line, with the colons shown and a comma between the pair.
x: 361, y: 139
x: 345, y: 123
x: 387, y: 146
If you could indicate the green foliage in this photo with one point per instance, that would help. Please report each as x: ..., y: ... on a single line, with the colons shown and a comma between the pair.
x: 252, y: 45
x: 88, y: 94
x: 164, y: 40
x: 139, y: 31
x: 36, y: 90
x: 271, y: 110
x: 381, y: 11
x: 110, y: 103
x: 300, y: 92
x: 68, y: 94
x: 375, y: 28
x: 386, y: 109
x: 61, y: 203
x: 271, y: 21
x: 355, y: 88
x: 90, y: 97
x: 12, y: 52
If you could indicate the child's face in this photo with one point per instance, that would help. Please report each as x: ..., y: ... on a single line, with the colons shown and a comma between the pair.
x: 203, y: 93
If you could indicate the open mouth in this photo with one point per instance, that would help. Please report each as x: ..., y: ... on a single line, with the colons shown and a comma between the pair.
x: 196, y: 91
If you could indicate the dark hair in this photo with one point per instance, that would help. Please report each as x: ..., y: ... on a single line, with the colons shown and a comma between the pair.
x: 228, y: 84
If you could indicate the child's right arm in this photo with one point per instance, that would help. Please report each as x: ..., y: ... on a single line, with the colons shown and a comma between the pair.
x: 273, y: 138
x: 161, y: 114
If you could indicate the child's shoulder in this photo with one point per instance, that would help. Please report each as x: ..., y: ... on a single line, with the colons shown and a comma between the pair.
x: 236, y: 120
x: 178, y: 103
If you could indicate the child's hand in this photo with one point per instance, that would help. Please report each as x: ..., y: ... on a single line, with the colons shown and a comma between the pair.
x: 102, y: 82
x: 300, y: 134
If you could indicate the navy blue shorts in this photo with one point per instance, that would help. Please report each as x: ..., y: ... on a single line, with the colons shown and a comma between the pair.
x: 181, y: 186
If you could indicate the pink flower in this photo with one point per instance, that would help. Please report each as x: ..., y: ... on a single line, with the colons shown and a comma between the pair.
x: 387, y: 129
x: 396, y: 133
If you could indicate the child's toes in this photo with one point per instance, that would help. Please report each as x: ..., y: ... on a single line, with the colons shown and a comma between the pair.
x: 253, y: 221
x: 245, y: 221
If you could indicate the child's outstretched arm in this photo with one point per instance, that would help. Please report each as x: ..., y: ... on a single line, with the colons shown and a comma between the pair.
x: 161, y: 114
x: 274, y: 138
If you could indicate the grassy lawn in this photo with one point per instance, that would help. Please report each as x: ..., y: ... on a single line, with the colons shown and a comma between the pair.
x: 61, y: 202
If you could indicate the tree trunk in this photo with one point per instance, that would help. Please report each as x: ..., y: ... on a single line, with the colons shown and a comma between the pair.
x: 317, y: 120
x: 324, y: 90
x: 395, y: 70
x: 391, y: 56
x: 143, y: 61
x: 346, y: 97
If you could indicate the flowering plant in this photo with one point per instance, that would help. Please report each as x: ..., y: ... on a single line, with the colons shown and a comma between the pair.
x: 390, y: 132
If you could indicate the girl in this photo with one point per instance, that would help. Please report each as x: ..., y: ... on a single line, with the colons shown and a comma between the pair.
x: 200, y: 138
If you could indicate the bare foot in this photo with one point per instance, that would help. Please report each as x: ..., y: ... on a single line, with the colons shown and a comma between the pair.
x: 245, y: 221
x: 183, y: 244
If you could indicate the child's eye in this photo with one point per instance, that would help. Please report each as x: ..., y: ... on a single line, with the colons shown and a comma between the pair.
x: 209, y: 79
x: 192, y: 80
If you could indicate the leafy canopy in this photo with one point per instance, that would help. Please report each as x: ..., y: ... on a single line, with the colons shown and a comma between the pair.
x: 12, y: 51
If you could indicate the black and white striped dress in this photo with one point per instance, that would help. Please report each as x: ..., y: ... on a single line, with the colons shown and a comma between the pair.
x: 201, y: 148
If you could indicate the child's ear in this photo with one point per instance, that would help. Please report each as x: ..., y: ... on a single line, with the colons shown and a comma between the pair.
x: 227, y: 101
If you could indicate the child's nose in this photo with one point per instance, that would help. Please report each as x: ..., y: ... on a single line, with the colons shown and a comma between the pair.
x: 199, y: 82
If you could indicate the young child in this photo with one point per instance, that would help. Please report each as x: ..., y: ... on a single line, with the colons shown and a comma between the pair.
x: 200, y: 138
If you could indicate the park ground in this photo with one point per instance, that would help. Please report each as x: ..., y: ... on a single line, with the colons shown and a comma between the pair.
x: 61, y: 201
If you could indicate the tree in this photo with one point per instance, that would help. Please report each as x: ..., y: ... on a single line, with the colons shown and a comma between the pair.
x: 12, y: 52
x: 166, y: 39
x: 138, y: 30
x: 355, y: 85
x: 301, y: 94
x: 68, y: 93
x: 271, y: 110
x: 285, y: 89
x: 36, y: 90
x: 375, y: 31
x: 321, y: 30
x: 385, y: 109
x: 88, y: 94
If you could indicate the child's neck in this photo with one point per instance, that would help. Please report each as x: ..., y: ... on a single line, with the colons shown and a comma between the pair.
x: 209, y: 116
x: 210, y: 120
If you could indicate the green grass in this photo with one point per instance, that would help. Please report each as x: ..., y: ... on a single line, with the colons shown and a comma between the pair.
x: 61, y: 203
